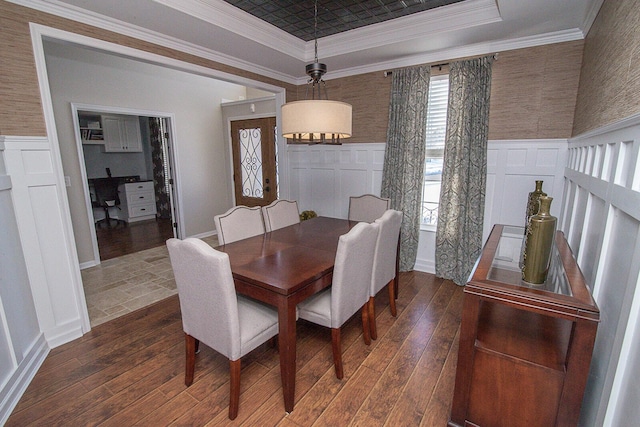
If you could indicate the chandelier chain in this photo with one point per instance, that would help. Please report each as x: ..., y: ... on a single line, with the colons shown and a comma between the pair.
x: 315, y: 28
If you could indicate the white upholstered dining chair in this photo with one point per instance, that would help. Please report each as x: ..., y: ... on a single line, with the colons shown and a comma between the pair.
x: 367, y: 208
x: 384, y: 263
x: 280, y: 213
x: 213, y: 314
x: 349, y: 291
x: 239, y: 222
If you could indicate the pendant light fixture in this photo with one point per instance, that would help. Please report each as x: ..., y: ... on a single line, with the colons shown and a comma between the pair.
x: 316, y: 120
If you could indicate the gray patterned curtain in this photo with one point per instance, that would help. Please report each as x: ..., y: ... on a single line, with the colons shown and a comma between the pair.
x: 461, y: 210
x: 156, y: 132
x: 404, y: 154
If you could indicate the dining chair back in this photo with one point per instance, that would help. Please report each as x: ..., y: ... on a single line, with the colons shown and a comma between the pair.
x: 239, y: 222
x: 280, y: 213
x: 385, y: 263
x: 367, y: 208
x: 349, y: 290
x: 213, y: 314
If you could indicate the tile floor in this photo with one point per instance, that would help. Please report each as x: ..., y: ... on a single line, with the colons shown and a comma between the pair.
x: 121, y: 285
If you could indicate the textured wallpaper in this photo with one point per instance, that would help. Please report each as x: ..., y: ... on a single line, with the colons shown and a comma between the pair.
x: 610, y: 78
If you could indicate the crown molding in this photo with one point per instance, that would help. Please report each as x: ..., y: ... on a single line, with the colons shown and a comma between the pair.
x: 100, y: 21
x: 231, y: 18
x: 592, y: 14
x: 221, y: 14
x: 445, y: 18
x: 81, y: 15
x: 453, y: 17
x: 460, y: 52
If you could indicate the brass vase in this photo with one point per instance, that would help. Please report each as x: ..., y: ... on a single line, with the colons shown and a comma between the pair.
x: 532, y: 202
x: 538, y: 243
x: 533, y: 205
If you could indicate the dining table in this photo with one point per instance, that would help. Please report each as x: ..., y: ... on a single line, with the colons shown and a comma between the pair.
x: 282, y: 268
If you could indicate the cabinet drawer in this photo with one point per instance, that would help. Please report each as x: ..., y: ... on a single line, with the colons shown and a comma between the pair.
x: 135, y: 211
x: 139, y: 186
x: 140, y: 198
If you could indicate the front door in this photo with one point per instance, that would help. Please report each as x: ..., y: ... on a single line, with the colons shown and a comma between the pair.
x: 254, y: 161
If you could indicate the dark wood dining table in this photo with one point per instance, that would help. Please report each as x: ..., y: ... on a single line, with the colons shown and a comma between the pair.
x: 282, y: 268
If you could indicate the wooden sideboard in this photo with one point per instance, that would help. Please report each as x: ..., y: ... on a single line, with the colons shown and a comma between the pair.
x: 525, y: 350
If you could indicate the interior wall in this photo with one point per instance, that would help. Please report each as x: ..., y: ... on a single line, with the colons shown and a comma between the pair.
x: 93, y: 78
x: 610, y: 76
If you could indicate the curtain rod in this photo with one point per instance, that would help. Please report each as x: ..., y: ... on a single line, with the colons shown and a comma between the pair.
x: 440, y: 65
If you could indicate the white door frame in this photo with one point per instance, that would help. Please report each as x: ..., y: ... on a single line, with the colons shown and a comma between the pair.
x: 175, y: 204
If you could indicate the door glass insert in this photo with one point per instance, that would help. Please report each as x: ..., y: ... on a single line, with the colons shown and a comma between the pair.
x: 251, y: 162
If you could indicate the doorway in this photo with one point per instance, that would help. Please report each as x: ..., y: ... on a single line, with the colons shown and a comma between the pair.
x: 253, y: 143
x: 133, y: 153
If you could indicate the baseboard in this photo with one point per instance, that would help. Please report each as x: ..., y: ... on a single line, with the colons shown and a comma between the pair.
x: 205, y: 234
x: 64, y: 333
x: 15, y: 387
x: 88, y: 264
x: 425, y: 266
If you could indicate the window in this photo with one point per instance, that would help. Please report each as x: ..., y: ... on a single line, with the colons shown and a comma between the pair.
x: 436, y: 132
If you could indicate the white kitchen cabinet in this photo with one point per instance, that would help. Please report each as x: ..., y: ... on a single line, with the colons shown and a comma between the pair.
x: 137, y: 201
x: 121, y: 134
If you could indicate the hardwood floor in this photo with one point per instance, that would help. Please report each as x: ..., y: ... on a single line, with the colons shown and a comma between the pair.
x: 136, y: 236
x: 130, y: 371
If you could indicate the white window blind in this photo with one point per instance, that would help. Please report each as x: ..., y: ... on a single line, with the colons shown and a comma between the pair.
x: 437, y: 115
x: 435, y: 139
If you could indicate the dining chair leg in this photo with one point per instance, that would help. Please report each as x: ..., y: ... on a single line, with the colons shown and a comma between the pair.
x: 392, y: 298
x: 197, y: 346
x: 234, y: 391
x: 190, y: 359
x: 366, y: 328
x: 337, y: 352
x: 372, y: 318
x: 396, y: 280
x: 273, y: 342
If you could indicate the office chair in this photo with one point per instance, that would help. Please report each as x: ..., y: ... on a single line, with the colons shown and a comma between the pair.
x: 106, y: 191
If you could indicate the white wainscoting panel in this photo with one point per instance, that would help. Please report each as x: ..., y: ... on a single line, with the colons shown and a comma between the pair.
x: 601, y: 217
x: 512, y: 169
x: 323, y: 177
x: 513, y: 166
x: 22, y: 344
x: 45, y: 233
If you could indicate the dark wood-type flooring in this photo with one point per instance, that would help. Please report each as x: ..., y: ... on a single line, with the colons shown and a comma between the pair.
x: 136, y: 236
x: 130, y: 371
